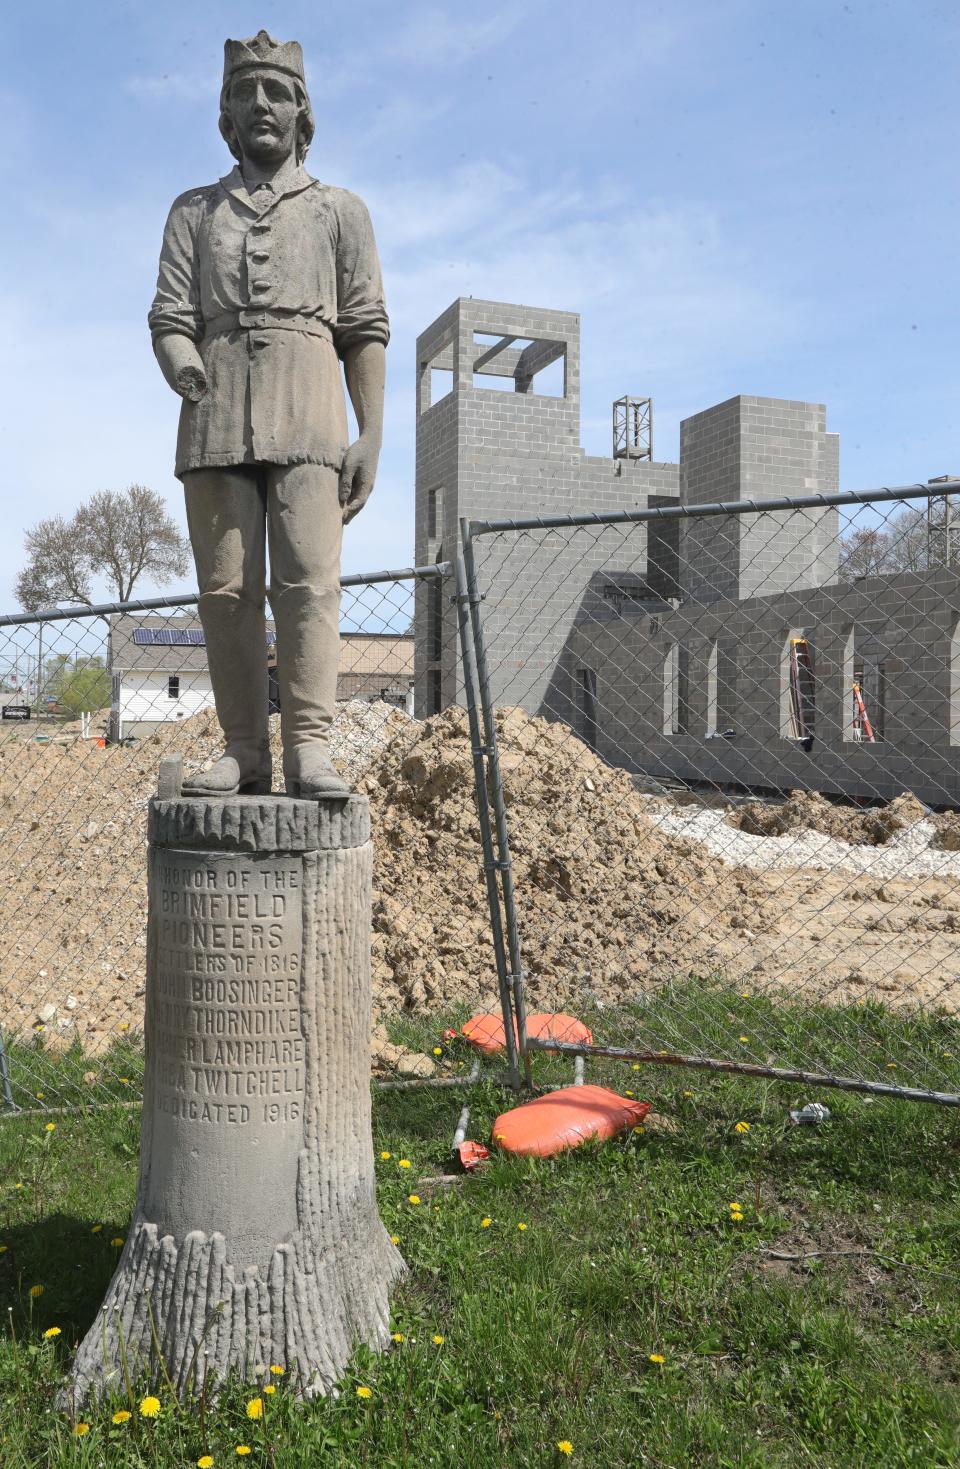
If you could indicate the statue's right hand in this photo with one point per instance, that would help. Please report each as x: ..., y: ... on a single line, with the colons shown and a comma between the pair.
x: 182, y: 366
x: 192, y: 383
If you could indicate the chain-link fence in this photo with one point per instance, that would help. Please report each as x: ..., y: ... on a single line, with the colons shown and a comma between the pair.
x: 91, y: 700
x: 723, y: 751
x: 715, y: 750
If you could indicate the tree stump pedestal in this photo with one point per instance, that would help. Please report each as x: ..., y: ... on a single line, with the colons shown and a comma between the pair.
x: 256, y: 1239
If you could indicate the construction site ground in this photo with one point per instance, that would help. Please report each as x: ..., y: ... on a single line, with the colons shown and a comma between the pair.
x: 618, y: 893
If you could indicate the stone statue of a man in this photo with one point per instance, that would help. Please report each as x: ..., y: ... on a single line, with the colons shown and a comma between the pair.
x: 268, y: 280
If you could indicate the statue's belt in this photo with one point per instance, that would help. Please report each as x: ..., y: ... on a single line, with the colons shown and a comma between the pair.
x: 237, y: 321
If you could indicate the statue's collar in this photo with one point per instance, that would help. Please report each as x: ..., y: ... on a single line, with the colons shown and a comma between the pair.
x: 292, y: 181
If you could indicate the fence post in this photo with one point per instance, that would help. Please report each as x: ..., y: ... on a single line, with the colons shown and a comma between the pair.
x: 5, y: 1076
x: 462, y: 600
x: 505, y: 864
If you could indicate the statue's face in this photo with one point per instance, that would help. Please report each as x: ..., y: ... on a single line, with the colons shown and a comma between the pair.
x: 264, y: 111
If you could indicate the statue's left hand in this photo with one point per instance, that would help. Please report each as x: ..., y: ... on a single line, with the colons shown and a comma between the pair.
x: 357, y: 475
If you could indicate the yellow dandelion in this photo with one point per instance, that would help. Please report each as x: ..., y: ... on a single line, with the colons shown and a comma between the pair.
x: 277, y: 1371
x: 743, y: 1039
x: 656, y: 1359
x: 124, y: 1025
x: 413, y: 1198
x: 438, y: 1341
x: 117, y: 1240
x: 124, y: 1081
x: 39, y: 1096
x: 485, y: 1223
x: 734, y: 1204
x: 438, y: 1050
x: 364, y: 1392
x: 891, y: 1065
x: 122, y: 1415
x: 521, y: 1227
x: 736, y: 1217
x: 394, y: 1239
x: 948, y: 1055
x: 18, y: 1185
x: 95, y: 1228
x: 635, y: 1066
x: 404, y: 1163
x: 4, y: 1249
x: 205, y: 1461
x: 744, y: 994
x: 640, y: 1128
x: 564, y: 1446
x: 242, y: 1449
x: 742, y: 1127
x: 149, y: 1407
x: 36, y: 1290
x: 385, y: 1156
x: 398, y: 1336
x: 255, y: 1408
x: 688, y: 1094
x: 50, y: 1127
x: 51, y: 1332
x: 628, y: 1094
x: 79, y: 1429
x: 269, y: 1389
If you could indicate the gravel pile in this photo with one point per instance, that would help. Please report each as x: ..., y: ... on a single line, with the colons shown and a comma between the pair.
x: 911, y: 852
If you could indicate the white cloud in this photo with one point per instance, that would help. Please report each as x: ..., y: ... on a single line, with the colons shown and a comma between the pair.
x: 179, y: 85
x: 433, y: 36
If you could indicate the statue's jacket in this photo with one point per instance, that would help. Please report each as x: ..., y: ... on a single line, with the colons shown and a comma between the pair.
x: 273, y: 294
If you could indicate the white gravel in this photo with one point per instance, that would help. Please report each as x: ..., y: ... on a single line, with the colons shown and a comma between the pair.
x: 907, y: 854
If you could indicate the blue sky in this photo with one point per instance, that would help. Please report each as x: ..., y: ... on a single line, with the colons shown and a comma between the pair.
x: 737, y: 196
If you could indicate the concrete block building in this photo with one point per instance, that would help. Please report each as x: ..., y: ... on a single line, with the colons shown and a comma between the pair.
x: 667, y: 645
x: 498, y: 434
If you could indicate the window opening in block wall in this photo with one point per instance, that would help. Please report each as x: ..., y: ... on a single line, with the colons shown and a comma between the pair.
x: 711, y: 690
x: 953, y: 712
x: 868, y: 697
x: 675, y: 700
x: 435, y: 513
x: 798, y: 688
x: 588, y: 706
x: 434, y: 620
x: 523, y: 365
x: 441, y: 383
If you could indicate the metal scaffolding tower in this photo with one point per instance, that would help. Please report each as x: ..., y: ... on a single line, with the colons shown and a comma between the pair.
x: 633, y: 428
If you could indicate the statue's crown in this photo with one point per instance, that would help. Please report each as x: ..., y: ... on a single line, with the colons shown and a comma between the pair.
x: 262, y: 50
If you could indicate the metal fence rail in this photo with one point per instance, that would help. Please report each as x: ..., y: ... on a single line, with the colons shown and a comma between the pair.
x: 684, y: 668
x: 92, y: 698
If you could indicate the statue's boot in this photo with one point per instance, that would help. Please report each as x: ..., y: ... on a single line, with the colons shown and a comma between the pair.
x: 235, y: 630
x: 308, y: 651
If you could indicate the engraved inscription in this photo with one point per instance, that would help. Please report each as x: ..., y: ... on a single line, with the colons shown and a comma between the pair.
x: 227, y: 1042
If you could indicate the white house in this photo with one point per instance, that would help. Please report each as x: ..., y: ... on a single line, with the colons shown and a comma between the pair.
x: 159, y: 672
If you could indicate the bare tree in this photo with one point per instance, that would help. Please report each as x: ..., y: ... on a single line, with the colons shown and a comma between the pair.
x: 122, y: 535
x: 909, y: 541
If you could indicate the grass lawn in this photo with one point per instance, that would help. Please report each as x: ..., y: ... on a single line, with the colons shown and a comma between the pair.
x: 607, y: 1300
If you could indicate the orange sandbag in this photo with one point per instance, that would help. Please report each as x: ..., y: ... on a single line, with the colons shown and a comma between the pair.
x: 487, y: 1034
x: 559, y: 1120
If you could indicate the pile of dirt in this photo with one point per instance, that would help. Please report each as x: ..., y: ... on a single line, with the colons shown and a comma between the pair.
x: 810, y: 811
x: 609, y: 904
x: 606, y: 904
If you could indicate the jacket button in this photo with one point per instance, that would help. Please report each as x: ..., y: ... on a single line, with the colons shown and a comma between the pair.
x: 260, y: 342
x: 260, y: 256
x: 261, y: 286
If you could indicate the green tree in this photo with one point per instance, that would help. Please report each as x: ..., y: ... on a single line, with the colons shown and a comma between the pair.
x: 80, y: 687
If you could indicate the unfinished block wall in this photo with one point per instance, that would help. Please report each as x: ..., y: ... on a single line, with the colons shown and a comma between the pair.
x: 487, y: 453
